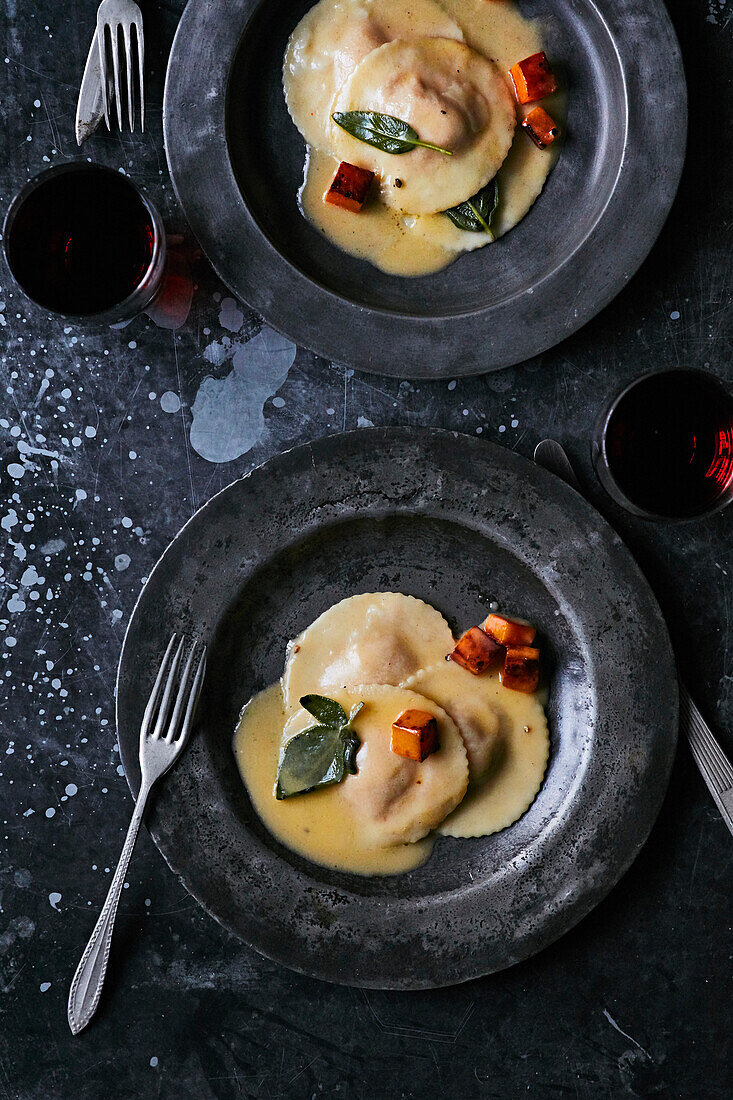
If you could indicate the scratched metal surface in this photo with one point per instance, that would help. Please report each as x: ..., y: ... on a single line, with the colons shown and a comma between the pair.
x: 109, y: 440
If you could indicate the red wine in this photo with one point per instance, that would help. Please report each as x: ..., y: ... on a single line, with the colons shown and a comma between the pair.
x: 669, y: 443
x: 81, y: 241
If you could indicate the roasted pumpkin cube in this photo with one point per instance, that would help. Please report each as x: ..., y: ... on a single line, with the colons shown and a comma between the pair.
x: 541, y: 127
x: 349, y: 187
x: 532, y: 78
x: 521, y: 670
x: 415, y: 735
x: 509, y: 631
x: 476, y: 651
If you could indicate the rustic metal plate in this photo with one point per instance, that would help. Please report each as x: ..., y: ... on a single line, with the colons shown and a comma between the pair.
x: 458, y: 522
x: 236, y: 161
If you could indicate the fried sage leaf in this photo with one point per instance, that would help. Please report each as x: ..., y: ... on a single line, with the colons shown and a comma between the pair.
x: 476, y: 214
x: 325, y: 710
x: 384, y: 132
x: 321, y: 755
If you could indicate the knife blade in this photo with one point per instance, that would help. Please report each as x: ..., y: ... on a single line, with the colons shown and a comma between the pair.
x: 90, y: 108
x: 551, y: 454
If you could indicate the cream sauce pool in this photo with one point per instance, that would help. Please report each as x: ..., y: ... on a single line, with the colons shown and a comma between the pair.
x: 319, y: 825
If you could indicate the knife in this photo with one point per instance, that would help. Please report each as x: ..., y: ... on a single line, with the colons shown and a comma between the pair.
x: 551, y: 454
x: 90, y: 108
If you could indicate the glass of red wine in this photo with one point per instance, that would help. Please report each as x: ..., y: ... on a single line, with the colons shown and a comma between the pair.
x: 81, y: 240
x: 663, y: 447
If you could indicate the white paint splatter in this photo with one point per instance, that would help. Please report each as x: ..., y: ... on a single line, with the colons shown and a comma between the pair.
x: 122, y: 561
x: 30, y: 577
x: 16, y: 470
x: 71, y: 789
x: 44, y: 987
x: 364, y: 422
x: 230, y: 315
x: 53, y: 546
x: 170, y: 402
x: 228, y: 412
x: 153, y: 1061
x: 54, y: 899
x: 625, y: 1034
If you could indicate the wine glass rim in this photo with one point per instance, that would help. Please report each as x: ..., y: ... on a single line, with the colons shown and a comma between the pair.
x: 601, y: 462
x: 45, y: 176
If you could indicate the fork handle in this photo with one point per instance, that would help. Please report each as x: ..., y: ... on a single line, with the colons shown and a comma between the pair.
x: 86, y: 985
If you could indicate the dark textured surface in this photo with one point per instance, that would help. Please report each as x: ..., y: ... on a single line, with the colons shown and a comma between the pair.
x: 459, y: 522
x: 635, y: 1001
x: 600, y: 211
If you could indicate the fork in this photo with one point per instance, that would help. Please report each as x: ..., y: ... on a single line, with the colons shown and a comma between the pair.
x: 714, y: 765
x: 115, y: 17
x: 160, y: 747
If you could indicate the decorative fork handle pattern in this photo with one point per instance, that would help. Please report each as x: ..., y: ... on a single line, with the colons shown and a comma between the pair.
x: 714, y: 765
x: 86, y: 986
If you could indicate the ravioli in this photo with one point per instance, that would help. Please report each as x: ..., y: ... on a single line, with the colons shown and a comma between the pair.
x: 453, y: 97
x: 469, y: 700
x: 519, y: 181
x: 391, y: 799
x: 375, y: 638
x: 489, y: 763
x: 401, y: 228
x: 330, y: 41
x: 507, y: 742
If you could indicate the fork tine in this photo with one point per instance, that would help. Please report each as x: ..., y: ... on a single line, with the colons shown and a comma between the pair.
x: 114, y: 32
x: 165, y: 701
x: 155, y: 693
x: 192, y: 700
x: 128, y: 67
x: 102, y: 46
x: 717, y: 766
x: 181, y: 697
x: 140, y: 67
x: 707, y: 751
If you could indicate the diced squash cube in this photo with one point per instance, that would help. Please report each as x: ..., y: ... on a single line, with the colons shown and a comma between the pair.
x: 476, y: 651
x: 521, y: 669
x: 415, y: 735
x: 509, y: 632
x: 350, y: 187
x: 541, y: 127
x: 532, y: 78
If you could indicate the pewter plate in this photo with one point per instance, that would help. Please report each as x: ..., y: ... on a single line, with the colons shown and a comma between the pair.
x: 236, y: 161
x: 457, y: 522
